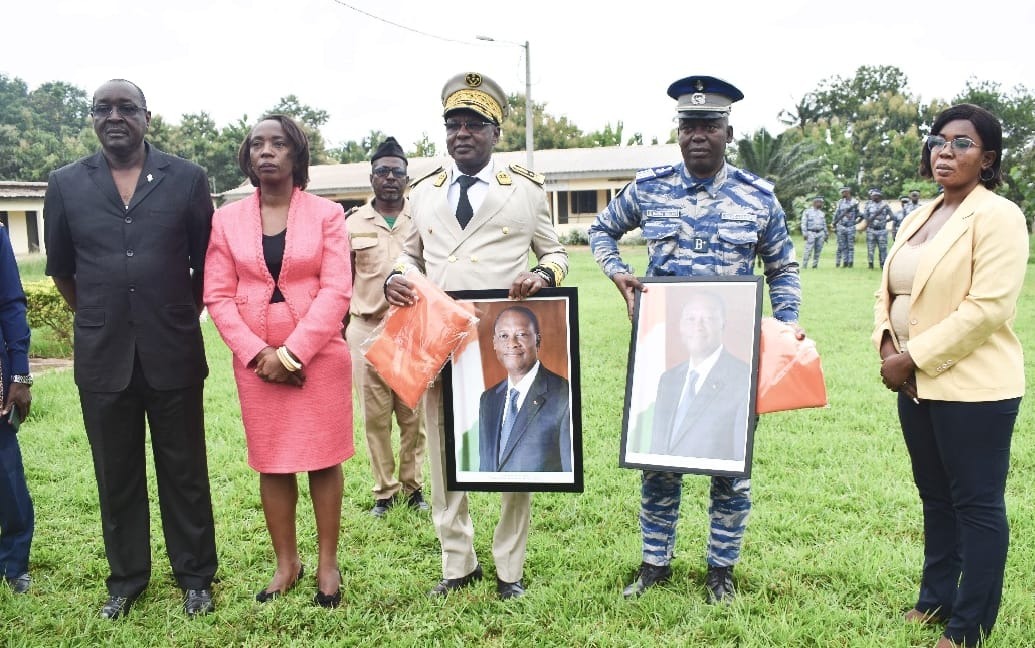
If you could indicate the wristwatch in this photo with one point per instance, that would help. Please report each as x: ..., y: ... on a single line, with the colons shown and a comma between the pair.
x: 25, y: 379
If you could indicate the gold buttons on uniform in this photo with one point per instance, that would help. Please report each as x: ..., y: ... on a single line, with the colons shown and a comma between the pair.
x: 451, y: 259
x: 506, y: 230
x: 474, y: 259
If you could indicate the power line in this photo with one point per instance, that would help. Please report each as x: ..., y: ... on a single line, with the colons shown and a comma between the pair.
x: 395, y: 24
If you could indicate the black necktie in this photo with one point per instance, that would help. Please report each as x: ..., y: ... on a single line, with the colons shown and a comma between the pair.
x: 464, y: 211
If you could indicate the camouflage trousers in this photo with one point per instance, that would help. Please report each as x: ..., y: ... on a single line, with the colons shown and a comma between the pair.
x: 876, y: 239
x: 659, y: 512
x: 845, y: 246
x: 813, y: 244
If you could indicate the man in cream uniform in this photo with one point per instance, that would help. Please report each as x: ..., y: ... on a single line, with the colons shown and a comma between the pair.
x: 474, y: 224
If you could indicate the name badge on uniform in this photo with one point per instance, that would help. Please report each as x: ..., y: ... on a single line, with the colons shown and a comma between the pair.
x: 661, y: 213
x: 698, y: 244
x: 737, y: 216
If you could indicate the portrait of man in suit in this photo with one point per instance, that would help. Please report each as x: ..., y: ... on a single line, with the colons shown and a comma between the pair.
x: 701, y: 407
x: 524, y: 421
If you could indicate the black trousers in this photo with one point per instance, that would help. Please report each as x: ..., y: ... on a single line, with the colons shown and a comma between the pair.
x: 115, y: 425
x: 961, y: 455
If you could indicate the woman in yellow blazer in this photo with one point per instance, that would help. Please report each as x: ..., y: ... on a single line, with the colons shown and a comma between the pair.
x: 944, y: 329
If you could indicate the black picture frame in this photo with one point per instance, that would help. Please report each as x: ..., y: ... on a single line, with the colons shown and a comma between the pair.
x: 710, y: 430
x: 474, y: 386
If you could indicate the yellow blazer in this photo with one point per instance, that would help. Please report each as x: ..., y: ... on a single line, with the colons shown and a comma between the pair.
x: 964, y: 300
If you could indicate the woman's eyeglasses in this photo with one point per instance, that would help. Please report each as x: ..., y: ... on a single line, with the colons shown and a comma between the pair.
x: 936, y: 142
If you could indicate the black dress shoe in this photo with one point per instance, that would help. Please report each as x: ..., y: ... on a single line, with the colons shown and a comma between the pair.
x: 19, y: 584
x: 719, y: 582
x: 328, y: 600
x: 416, y: 501
x: 198, y: 602
x: 447, y: 585
x: 117, y: 607
x: 267, y: 595
x: 381, y: 506
x: 648, y: 576
x: 509, y: 590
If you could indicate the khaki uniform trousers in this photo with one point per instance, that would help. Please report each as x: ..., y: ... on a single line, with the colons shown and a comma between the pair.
x: 449, y: 510
x: 378, y: 403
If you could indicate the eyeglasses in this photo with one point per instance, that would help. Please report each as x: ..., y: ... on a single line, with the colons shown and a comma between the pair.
x: 384, y: 172
x: 936, y: 142
x: 472, y: 125
x: 126, y: 110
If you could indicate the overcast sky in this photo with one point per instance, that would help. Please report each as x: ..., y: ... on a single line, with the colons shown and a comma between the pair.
x: 594, y: 62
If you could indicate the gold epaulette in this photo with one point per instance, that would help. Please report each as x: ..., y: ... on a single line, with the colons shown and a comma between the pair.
x: 438, y: 181
x: 537, y: 178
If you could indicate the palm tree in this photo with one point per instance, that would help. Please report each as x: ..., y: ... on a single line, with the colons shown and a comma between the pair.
x: 791, y: 166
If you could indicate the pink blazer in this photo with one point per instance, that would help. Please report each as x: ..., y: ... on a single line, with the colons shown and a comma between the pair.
x: 315, y: 277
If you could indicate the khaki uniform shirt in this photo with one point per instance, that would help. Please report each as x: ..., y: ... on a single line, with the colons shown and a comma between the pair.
x: 376, y: 247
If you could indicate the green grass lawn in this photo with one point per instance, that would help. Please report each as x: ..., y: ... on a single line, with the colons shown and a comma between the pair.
x: 832, y: 555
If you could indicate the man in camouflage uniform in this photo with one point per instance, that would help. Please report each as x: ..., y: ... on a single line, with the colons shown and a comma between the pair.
x: 900, y: 216
x: 877, y: 215
x: 814, y: 229
x: 846, y: 215
x: 701, y: 217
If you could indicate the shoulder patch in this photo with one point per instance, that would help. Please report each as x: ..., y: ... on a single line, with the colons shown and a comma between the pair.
x: 655, y: 172
x: 537, y: 178
x: 755, y: 181
x: 503, y: 178
x: 351, y: 210
x: 439, y: 180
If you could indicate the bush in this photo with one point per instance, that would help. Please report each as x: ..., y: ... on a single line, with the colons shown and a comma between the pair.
x: 46, y: 308
x: 575, y: 236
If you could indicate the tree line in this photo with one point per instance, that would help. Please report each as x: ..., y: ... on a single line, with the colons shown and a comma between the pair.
x: 862, y: 131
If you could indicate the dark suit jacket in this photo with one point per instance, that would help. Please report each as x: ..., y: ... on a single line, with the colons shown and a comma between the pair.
x: 132, y: 268
x: 541, y: 438
x: 716, y: 426
x: 14, y: 330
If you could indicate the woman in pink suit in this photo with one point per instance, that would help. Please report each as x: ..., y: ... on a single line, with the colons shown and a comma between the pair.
x: 277, y: 285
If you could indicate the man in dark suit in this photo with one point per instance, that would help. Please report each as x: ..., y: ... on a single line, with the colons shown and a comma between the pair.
x: 524, y: 421
x: 126, y: 231
x: 701, y: 409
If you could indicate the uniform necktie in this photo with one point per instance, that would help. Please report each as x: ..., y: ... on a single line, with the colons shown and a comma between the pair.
x: 683, y: 409
x: 508, y: 420
x: 464, y: 211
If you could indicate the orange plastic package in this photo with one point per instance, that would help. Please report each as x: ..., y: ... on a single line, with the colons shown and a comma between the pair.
x: 412, y: 343
x: 789, y: 372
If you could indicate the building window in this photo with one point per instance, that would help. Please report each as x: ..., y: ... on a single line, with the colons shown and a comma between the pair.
x: 584, y: 202
x: 32, y: 231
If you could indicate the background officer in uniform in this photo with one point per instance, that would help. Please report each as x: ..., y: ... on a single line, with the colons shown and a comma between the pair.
x: 877, y: 215
x: 700, y: 217
x: 846, y: 215
x: 376, y: 233
x: 474, y: 224
x: 814, y: 229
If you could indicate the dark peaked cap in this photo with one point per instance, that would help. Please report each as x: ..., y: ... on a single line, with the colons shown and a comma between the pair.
x: 388, y: 148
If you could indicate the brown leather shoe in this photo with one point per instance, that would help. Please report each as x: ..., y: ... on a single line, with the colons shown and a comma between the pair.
x: 447, y: 585
x: 924, y: 618
x: 648, y: 576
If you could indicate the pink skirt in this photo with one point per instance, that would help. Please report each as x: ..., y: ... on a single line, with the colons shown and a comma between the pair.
x: 290, y: 429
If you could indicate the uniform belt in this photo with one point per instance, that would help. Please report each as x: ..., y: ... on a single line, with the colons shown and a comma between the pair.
x: 373, y: 319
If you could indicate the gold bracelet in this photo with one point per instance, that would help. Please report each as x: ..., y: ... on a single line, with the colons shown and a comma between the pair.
x: 288, y: 360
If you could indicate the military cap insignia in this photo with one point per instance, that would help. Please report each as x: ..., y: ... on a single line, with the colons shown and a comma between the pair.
x: 700, y: 85
x: 503, y: 178
x: 697, y: 99
x: 438, y: 181
x: 473, y: 79
x: 537, y: 178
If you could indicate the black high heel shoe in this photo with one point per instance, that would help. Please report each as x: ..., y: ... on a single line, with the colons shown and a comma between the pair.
x: 329, y: 600
x: 266, y: 595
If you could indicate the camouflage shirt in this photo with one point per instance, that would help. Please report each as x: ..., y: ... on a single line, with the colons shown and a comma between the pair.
x: 877, y: 215
x: 847, y: 213
x: 700, y: 228
x: 813, y: 220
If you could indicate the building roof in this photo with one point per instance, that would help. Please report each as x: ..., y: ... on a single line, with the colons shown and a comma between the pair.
x: 11, y: 189
x: 606, y: 163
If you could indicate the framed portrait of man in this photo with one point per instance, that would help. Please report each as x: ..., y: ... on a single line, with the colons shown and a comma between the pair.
x: 692, y: 376
x: 512, y: 410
